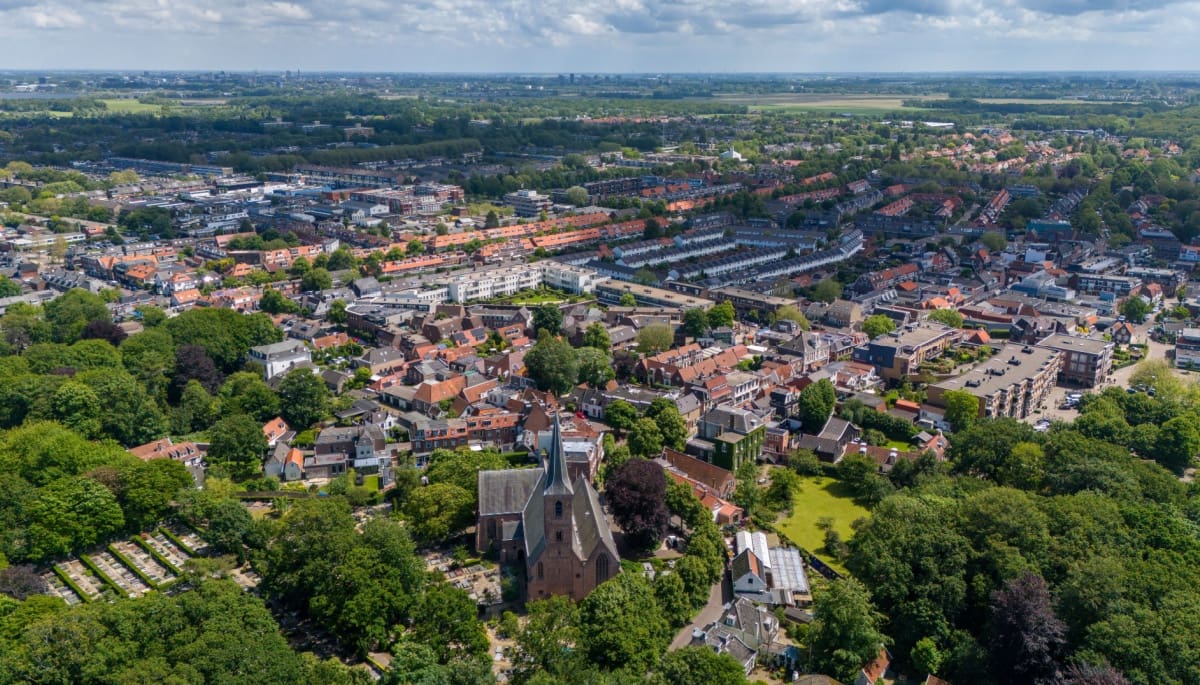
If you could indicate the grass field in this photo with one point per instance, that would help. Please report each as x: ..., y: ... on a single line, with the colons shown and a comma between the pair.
x: 127, y: 106
x: 818, y: 498
x: 825, y: 102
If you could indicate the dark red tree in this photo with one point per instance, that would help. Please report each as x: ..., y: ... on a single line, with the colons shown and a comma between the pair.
x: 637, y: 492
x: 1026, y: 636
x: 21, y: 581
x: 1087, y: 674
x: 193, y: 363
x: 103, y: 330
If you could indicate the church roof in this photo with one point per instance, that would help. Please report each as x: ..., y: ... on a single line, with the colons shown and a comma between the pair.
x: 556, y: 465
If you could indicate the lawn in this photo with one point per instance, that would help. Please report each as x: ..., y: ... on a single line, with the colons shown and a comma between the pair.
x: 127, y: 106
x: 371, y: 483
x: 817, y: 498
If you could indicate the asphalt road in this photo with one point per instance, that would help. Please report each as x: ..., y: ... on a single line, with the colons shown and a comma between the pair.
x: 721, y: 594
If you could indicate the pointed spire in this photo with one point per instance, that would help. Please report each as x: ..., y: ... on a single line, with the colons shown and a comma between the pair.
x: 557, y: 482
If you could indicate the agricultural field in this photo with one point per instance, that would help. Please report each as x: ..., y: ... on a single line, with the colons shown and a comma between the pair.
x: 128, y: 106
x: 826, y: 102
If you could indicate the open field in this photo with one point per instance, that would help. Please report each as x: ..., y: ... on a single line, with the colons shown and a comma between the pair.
x: 826, y: 102
x: 127, y: 106
x: 817, y: 498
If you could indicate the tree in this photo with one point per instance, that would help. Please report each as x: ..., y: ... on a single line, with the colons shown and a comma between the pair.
x: 193, y: 363
x: 1088, y: 674
x: 949, y: 317
x: 461, y: 467
x: 962, y: 409
x: 68, y: 515
x: 790, y: 313
x: 645, y: 438
x: 827, y: 291
x: 671, y: 425
x: 149, y: 487
x: 151, y: 316
x: 303, y: 398
x: 877, y: 325
x: 1178, y: 443
x: 552, y: 364
x: 78, y: 407
x: 238, y: 444
x: 925, y: 656
x: 620, y: 415
x: 815, y: 404
x: 245, y: 392
x: 620, y: 626
x: 69, y: 313
x: 436, y: 512
x: 548, y: 317
x: 1026, y: 636
x: 545, y: 642
x: 845, y: 632
x: 195, y: 410
x: 692, y: 665
x: 636, y: 493
x: 578, y: 196
x: 721, y: 315
x: 695, y: 322
x: 273, y: 302
x: 652, y: 230
x: 337, y: 312
x: 102, y: 329
x: 993, y: 241
x: 597, y: 336
x: 21, y: 581
x: 9, y: 287
x: 1135, y: 309
x: 628, y: 300
x: 595, y: 367
x: 315, y: 280
x: 655, y: 338
x: 492, y: 220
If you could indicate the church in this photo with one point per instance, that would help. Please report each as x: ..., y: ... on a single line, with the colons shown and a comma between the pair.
x: 556, y: 528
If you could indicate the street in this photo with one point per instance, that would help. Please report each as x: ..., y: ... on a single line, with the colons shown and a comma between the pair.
x: 721, y: 594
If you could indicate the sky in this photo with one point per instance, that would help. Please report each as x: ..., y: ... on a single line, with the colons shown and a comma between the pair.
x: 611, y: 36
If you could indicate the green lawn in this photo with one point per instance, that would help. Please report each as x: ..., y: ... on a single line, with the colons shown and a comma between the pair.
x: 371, y: 483
x: 820, y: 497
x: 127, y: 106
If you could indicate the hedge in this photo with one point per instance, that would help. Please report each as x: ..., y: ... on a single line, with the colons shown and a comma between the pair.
x: 65, y: 578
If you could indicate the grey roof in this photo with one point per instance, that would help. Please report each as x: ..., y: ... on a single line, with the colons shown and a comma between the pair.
x: 556, y: 466
x: 742, y: 565
x: 508, y: 491
x: 591, y: 528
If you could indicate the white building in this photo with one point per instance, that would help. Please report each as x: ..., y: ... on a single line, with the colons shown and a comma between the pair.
x: 281, y: 357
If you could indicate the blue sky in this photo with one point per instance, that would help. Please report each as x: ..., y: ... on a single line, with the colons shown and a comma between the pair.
x: 602, y: 35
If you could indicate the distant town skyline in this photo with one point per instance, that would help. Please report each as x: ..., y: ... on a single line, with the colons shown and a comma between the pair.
x: 614, y: 36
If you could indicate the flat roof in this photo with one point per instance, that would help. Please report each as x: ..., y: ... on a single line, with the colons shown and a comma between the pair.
x: 1072, y: 343
x: 1011, y: 364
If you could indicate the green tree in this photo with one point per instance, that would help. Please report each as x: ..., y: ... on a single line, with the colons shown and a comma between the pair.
x: 790, y: 313
x: 337, y: 313
x: 595, y: 367
x: 877, y: 325
x: 245, y: 392
x: 315, y: 280
x: 552, y: 364
x: 925, y: 656
x: 721, y: 315
x: 993, y: 241
x: 71, y: 311
x: 548, y: 317
x: 949, y: 317
x: 461, y: 467
x: 303, y: 398
x: 195, y: 410
x: 596, y: 336
x: 962, y: 409
x: 695, y: 322
x: 620, y: 415
x: 645, y: 438
x: 148, y: 488
x: 827, y: 290
x: 845, y: 632
x: 655, y: 338
x: 436, y: 512
x: 671, y: 425
x: 628, y: 300
x: 273, y: 302
x: 1178, y: 443
x: 698, y: 665
x: 578, y: 196
x: 68, y: 515
x: 620, y: 626
x: 545, y: 643
x: 446, y: 622
x: 78, y: 407
x: 1135, y: 309
x: 238, y: 444
x: 815, y: 404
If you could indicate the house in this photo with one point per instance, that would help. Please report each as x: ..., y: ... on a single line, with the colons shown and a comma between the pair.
x: 874, y: 669
x: 186, y: 452
x: 744, y: 632
x: 720, y: 481
x: 749, y: 577
x: 1086, y: 361
x: 1124, y: 333
x: 830, y: 444
x: 380, y: 361
x: 275, y: 430
x: 364, y: 447
x: 898, y: 355
x: 279, y: 358
x: 285, y: 463
x: 555, y: 527
x: 728, y: 437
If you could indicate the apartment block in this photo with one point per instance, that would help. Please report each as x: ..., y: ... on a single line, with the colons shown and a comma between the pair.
x: 1086, y: 361
x: 1013, y: 383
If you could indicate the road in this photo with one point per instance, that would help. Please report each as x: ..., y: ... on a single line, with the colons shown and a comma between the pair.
x: 721, y: 594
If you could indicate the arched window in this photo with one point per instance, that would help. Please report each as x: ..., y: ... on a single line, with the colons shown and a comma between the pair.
x: 541, y: 571
x: 601, y: 570
x: 558, y: 509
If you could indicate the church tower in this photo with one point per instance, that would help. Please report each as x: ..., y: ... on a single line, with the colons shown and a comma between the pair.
x: 558, y: 494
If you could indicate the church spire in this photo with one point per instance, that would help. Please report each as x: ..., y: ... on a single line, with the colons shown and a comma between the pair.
x: 557, y: 482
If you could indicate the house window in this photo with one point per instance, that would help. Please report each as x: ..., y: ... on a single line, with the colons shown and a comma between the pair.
x: 541, y: 571
x: 601, y: 569
x: 558, y: 509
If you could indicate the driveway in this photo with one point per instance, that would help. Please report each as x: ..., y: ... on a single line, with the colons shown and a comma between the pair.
x: 721, y: 594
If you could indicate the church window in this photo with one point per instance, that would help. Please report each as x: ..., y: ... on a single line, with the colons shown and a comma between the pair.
x: 541, y: 571
x: 558, y: 536
x: 601, y: 569
x: 558, y: 509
